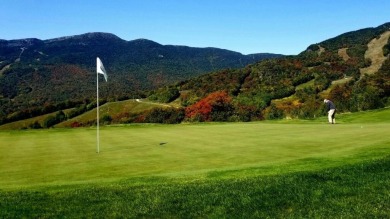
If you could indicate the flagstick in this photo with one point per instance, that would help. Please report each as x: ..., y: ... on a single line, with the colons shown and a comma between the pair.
x: 97, y: 113
x: 99, y: 70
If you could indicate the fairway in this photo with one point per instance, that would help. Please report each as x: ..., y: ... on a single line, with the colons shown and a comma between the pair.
x: 56, y: 157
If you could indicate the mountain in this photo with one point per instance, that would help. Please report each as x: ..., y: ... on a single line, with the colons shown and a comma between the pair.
x: 36, y: 73
x: 352, y: 69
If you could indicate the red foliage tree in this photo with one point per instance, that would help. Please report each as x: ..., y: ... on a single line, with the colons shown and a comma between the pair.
x: 216, y: 106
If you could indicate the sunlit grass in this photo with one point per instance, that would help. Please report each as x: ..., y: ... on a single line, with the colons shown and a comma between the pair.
x: 289, y: 168
x: 110, y: 108
x: 63, y: 156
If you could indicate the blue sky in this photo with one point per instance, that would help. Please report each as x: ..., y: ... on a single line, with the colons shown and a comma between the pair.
x: 246, y: 26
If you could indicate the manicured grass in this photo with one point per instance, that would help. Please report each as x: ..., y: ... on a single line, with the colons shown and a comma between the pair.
x: 298, y: 169
x: 67, y: 156
x: 352, y: 191
x: 371, y: 116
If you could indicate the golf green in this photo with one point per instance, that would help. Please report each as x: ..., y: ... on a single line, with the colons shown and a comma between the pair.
x: 68, y: 156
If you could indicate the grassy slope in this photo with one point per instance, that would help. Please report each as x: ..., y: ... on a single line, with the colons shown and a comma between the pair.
x: 110, y: 108
x: 299, y: 169
x: 27, y: 122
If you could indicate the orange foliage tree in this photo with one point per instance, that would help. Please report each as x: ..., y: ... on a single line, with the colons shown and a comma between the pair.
x: 216, y: 106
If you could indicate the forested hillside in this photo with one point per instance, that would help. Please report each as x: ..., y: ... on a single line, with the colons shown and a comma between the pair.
x: 352, y: 69
x: 295, y: 86
x: 41, y: 76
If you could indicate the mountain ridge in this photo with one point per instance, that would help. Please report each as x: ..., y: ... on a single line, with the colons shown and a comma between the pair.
x: 284, y: 87
x: 65, y: 66
x: 295, y: 86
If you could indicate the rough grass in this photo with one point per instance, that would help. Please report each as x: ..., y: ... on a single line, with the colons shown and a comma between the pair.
x: 110, y: 108
x: 343, y: 54
x: 296, y: 169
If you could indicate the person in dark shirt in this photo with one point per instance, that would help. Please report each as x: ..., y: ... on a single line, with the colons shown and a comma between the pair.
x: 331, y: 108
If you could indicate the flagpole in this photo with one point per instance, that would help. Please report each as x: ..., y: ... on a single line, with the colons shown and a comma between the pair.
x: 97, y: 113
x: 99, y: 70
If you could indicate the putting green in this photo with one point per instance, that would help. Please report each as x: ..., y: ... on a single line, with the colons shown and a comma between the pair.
x: 68, y: 156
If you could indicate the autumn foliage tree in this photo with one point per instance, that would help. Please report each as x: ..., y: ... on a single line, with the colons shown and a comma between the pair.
x: 216, y: 106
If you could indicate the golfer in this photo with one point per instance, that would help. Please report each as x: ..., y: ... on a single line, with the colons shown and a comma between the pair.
x: 330, y: 107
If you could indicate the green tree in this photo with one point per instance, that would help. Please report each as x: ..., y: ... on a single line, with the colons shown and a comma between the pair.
x: 35, y: 125
x: 273, y: 112
x: 49, y: 122
x: 165, y: 95
x: 106, y: 119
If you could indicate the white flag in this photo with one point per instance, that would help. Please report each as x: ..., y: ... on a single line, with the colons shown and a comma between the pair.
x: 100, y: 68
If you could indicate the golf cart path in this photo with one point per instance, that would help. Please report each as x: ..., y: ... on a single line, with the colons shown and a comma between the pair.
x: 154, y: 103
